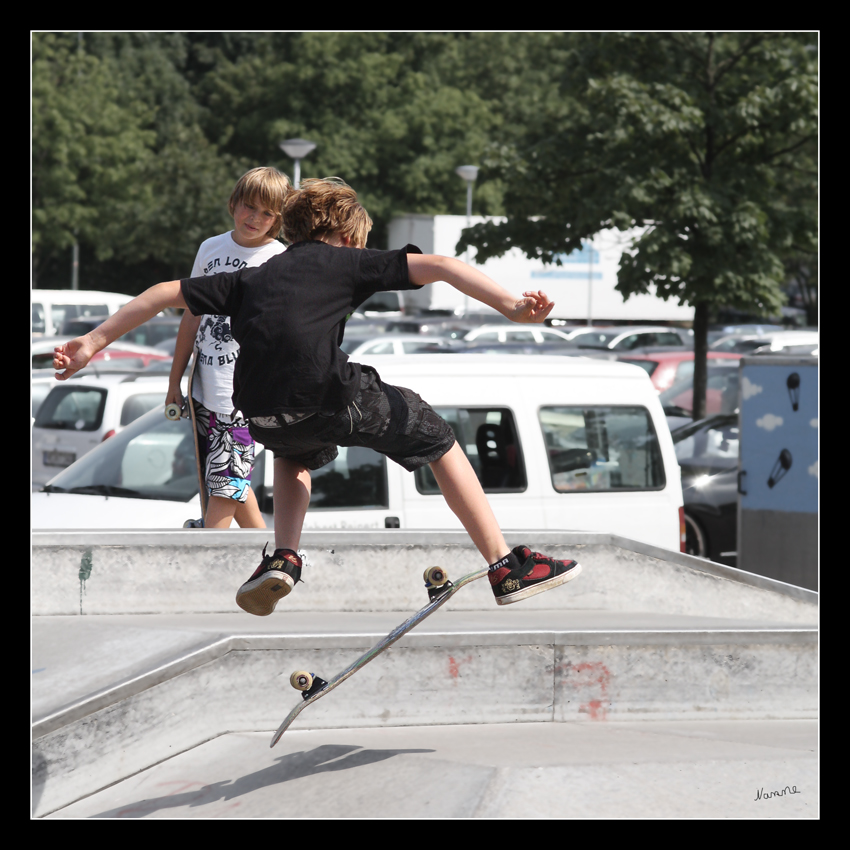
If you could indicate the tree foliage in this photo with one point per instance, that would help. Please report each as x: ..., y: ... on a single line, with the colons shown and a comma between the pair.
x: 707, y: 141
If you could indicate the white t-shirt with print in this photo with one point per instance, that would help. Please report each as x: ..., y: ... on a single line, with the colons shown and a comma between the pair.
x: 217, y: 350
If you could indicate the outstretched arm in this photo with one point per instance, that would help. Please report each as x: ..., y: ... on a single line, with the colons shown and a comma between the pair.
x: 532, y: 307
x: 74, y: 355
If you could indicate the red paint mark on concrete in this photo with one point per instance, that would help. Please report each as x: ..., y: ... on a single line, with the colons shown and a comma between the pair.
x: 591, y: 681
x: 596, y: 709
x: 454, y: 665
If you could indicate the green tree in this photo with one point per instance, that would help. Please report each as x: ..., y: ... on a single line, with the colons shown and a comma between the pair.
x: 387, y: 111
x: 705, y: 140
x: 89, y: 148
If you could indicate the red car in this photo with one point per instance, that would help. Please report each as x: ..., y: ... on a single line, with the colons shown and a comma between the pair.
x: 119, y: 354
x: 666, y: 368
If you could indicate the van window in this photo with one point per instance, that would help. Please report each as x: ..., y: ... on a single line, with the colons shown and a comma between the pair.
x: 602, y: 449
x: 357, y: 478
x: 488, y: 437
x: 72, y: 409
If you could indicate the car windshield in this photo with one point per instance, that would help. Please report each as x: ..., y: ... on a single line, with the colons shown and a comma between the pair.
x: 153, y: 458
x: 712, y: 444
x: 72, y: 408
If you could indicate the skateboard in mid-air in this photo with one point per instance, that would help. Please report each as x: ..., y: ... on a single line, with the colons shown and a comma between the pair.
x: 175, y: 412
x: 440, y: 590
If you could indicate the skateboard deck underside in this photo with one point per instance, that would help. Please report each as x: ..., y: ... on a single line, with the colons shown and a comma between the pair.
x: 385, y: 642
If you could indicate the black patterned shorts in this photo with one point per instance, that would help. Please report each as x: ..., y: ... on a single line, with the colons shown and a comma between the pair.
x: 391, y: 420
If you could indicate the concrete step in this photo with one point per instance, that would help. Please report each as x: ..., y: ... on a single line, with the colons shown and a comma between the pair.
x: 144, y: 572
x: 188, y: 680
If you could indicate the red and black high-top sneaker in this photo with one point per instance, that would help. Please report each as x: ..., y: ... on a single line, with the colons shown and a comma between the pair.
x: 524, y: 573
x: 271, y: 581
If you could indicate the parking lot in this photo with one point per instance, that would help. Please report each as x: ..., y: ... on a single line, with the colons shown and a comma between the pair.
x: 109, y: 396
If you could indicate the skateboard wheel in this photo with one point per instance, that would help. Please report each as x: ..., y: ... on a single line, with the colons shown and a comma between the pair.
x: 173, y: 412
x: 435, y: 576
x: 301, y: 680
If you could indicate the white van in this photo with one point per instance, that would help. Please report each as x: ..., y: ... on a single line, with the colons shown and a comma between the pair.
x: 50, y: 307
x: 561, y: 443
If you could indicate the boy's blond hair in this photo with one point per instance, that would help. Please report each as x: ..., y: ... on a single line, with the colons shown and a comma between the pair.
x: 265, y: 187
x: 325, y: 207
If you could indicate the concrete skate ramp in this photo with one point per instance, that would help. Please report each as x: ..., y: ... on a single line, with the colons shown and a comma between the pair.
x: 169, y: 665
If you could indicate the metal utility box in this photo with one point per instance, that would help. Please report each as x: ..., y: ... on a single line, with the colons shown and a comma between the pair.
x: 778, y: 468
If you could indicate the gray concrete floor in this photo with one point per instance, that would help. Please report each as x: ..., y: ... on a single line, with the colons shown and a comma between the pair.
x: 684, y: 769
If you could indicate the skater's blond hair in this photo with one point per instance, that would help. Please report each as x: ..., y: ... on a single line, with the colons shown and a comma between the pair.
x: 323, y: 208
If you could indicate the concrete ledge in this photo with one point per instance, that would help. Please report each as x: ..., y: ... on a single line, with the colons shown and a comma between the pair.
x: 307, y: 645
x: 95, y: 572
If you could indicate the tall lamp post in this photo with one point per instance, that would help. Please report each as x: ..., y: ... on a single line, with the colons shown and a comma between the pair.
x: 297, y: 149
x: 468, y: 173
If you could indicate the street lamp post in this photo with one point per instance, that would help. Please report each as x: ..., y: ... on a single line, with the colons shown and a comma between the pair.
x: 297, y: 149
x: 468, y: 173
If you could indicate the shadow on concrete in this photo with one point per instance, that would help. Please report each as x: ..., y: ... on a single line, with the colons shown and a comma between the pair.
x: 322, y: 759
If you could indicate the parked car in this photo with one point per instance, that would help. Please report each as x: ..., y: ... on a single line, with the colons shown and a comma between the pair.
x: 42, y: 383
x: 716, y: 332
x: 515, y: 333
x: 78, y: 414
x: 383, y: 304
x: 117, y: 355
x: 394, y: 343
x: 51, y: 307
x: 765, y: 343
x: 626, y: 338
x: 150, y: 333
x: 721, y: 394
x: 666, y: 367
x: 707, y: 451
x: 537, y: 349
x: 572, y: 444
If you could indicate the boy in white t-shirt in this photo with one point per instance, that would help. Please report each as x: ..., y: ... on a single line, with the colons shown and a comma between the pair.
x: 226, y: 447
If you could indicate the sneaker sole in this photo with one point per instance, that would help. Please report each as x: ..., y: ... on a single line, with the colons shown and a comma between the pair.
x: 259, y: 597
x: 534, y: 589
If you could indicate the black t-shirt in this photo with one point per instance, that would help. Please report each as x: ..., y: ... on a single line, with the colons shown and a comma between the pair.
x: 288, y: 316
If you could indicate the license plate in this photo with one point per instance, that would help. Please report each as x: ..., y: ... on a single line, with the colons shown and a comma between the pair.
x: 57, y: 458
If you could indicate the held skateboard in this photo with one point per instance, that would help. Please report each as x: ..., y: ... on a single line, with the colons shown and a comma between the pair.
x: 174, y: 412
x: 440, y: 590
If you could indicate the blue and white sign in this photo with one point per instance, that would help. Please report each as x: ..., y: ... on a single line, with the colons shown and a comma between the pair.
x: 779, y: 436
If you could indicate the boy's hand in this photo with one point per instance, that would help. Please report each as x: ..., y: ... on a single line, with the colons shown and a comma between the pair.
x: 532, y: 308
x: 73, y: 356
x: 174, y: 396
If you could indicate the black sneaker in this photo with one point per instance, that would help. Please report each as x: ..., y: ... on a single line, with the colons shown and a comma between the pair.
x: 271, y: 581
x: 524, y: 573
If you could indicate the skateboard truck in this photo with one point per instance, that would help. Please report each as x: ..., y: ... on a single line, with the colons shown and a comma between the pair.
x: 437, y: 582
x: 309, y: 683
